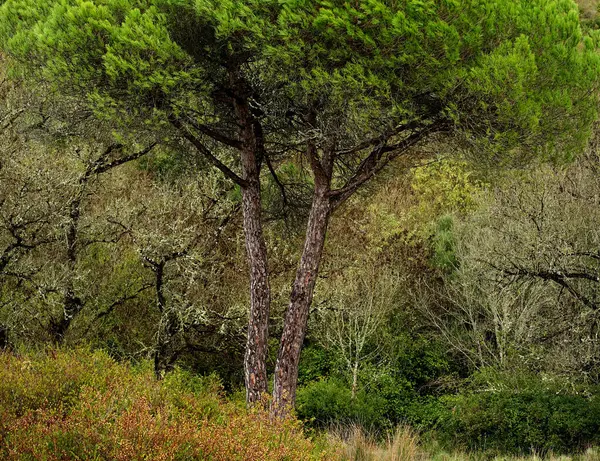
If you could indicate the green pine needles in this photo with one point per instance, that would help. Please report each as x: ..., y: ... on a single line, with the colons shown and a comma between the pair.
x: 509, y: 75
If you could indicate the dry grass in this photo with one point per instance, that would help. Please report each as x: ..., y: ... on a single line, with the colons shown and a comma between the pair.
x: 405, y: 446
x: 357, y: 446
x: 589, y: 8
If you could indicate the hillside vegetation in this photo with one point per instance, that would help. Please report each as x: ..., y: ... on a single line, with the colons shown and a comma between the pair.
x: 299, y: 229
x: 78, y: 404
x: 83, y: 405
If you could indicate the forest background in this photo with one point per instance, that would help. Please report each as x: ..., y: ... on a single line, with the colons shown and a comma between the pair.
x: 457, y: 294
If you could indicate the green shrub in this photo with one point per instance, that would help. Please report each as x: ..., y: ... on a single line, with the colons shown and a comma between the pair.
x: 519, y: 421
x: 417, y: 359
x: 329, y: 402
x: 400, y: 391
x: 315, y: 362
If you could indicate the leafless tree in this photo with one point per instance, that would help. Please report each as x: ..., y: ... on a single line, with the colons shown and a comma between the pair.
x: 356, y: 308
x: 528, y: 284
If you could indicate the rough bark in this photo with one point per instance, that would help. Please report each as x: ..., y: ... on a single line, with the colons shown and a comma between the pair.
x: 252, y: 154
x: 165, y: 353
x: 296, y: 318
x: 162, y: 336
x: 250, y: 144
x: 255, y: 369
x: 4, y: 338
x: 325, y: 201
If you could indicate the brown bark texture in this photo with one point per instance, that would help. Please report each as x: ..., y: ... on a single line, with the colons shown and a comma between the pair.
x: 296, y: 318
x: 255, y: 369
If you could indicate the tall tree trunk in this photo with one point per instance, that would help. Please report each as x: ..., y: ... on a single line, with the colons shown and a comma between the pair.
x: 4, y: 337
x: 296, y: 318
x: 250, y: 143
x: 255, y: 368
x: 165, y: 353
x: 252, y: 152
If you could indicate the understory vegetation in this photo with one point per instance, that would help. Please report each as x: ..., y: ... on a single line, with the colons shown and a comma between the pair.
x: 82, y: 405
x: 299, y: 230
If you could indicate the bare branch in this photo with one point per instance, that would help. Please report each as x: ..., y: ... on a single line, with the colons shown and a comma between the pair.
x: 105, y: 166
x: 280, y: 185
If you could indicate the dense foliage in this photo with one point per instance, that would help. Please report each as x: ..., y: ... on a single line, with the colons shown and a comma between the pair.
x: 83, y: 405
x: 517, y: 73
x: 158, y: 155
x: 508, y: 421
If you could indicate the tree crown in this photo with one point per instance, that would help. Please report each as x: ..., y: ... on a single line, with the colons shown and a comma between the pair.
x: 515, y: 74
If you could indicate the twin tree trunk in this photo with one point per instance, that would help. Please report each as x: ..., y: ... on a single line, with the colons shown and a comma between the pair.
x: 296, y: 317
x: 252, y: 154
x: 255, y: 359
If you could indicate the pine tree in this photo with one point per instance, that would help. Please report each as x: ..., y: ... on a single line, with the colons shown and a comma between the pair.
x: 351, y: 84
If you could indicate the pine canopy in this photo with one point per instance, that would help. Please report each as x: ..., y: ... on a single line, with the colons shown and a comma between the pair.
x: 504, y: 73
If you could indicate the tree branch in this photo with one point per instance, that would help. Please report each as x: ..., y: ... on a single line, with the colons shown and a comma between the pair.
x: 561, y: 279
x: 207, y: 153
x: 382, y: 139
x: 372, y: 165
x: 105, y: 166
x: 216, y: 135
x: 277, y: 181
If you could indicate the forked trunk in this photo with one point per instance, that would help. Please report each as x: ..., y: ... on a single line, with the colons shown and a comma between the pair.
x: 165, y: 355
x: 296, y: 318
x: 72, y: 304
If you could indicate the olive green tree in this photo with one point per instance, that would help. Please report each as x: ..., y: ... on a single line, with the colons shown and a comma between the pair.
x: 177, y: 230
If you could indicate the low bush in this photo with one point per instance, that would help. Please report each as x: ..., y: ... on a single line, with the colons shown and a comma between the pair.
x: 495, y: 413
x: 70, y: 405
x: 509, y: 419
x: 329, y: 402
x: 403, y: 390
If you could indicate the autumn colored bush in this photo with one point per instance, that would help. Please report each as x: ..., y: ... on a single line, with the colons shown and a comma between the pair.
x: 68, y: 405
